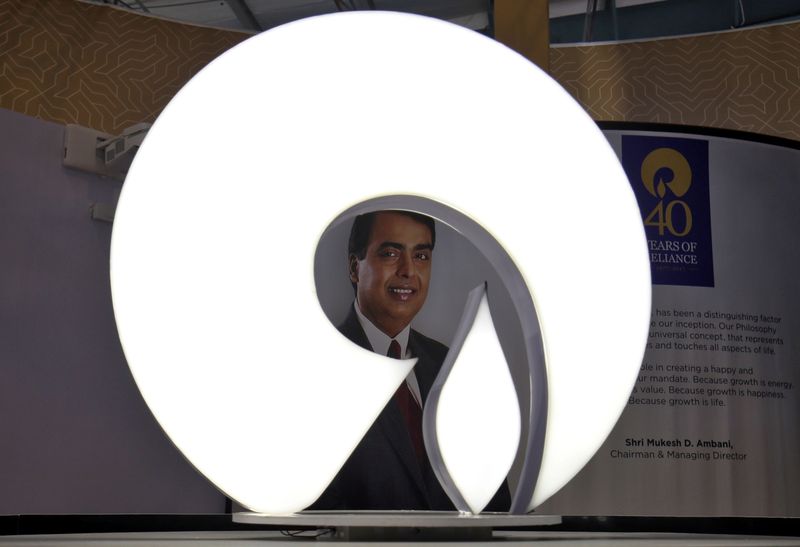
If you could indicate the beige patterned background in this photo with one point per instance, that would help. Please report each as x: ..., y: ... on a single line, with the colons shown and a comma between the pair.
x: 747, y: 80
x: 70, y: 62
x: 101, y: 67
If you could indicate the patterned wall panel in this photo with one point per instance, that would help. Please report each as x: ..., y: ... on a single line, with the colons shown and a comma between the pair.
x: 105, y: 68
x: 71, y: 62
x: 746, y: 80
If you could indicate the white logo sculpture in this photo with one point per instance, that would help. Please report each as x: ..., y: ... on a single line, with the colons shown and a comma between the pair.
x: 215, y: 232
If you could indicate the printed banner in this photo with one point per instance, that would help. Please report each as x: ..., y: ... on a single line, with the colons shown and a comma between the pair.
x: 670, y: 179
x: 711, y: 428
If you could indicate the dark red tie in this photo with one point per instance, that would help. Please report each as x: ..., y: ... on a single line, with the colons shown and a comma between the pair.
x: 409, y: 408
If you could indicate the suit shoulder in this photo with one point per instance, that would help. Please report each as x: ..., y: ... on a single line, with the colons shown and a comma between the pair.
x: 435, y: 348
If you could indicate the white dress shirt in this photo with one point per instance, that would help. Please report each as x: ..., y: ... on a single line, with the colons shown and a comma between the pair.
x: 380, y: 344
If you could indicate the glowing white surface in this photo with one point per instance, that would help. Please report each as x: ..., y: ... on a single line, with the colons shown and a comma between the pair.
x: 478, y: 422
x: 215, y: 232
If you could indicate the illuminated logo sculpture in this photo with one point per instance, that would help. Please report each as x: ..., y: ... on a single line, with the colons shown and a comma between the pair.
x: 216, y: 228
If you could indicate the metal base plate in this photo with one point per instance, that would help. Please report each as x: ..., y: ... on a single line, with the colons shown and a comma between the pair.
x: 398, y: 525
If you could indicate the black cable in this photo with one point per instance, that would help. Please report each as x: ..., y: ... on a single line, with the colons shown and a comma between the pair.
x: 305, y: 533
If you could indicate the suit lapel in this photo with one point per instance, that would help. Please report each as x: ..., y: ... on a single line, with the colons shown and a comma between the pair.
x: 352, y: 330
x: 425, y: 369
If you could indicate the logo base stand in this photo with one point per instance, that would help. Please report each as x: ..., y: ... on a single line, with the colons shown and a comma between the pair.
x: 398, y: 525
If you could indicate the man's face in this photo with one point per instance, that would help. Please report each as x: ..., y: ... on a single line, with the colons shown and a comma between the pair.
x: 392, y: 278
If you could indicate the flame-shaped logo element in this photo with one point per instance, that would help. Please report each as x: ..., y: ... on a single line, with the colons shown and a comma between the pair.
x: 471, y: 438
x: 666, y: 158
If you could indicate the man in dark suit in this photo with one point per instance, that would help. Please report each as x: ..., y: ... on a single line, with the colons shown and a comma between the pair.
x: 389, y: 258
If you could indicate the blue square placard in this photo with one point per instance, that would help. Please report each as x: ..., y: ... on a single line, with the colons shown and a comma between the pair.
x: 670, y: 179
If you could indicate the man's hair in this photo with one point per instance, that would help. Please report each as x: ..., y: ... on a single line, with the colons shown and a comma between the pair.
x: 362, y: 227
